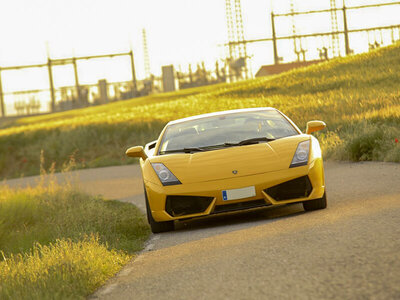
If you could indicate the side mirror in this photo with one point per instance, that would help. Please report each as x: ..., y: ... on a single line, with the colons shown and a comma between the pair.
x: 136, y: 152
x: 313, y: 126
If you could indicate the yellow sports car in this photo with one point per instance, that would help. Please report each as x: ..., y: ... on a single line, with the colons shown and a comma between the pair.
x: 227, y: 161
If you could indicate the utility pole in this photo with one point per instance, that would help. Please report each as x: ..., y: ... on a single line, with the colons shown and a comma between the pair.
x: 51, y: 82
x: 77, y: 86
x: 346, y: 30
x: 3, y: 113
x: 274, y: 43
x: 190, y: 74
x: 133, y: 73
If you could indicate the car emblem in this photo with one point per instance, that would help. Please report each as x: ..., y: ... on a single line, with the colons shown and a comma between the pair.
x: 234, y: 172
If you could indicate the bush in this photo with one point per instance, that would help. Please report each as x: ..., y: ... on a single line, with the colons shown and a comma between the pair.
x: 369, y: 142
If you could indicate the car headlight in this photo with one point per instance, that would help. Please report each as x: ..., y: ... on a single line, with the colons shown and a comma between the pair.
x: 300, y: 157
x: 166, y: 177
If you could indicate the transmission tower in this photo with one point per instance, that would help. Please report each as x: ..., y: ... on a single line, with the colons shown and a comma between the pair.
x: 239, y: 29
x: 296, y: 42
x: 335, y: 28
x: 237, y: 46
x: 229, y: 22
x: 146, y: 55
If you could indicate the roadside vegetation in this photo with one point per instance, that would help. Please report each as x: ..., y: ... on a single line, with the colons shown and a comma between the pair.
x: 358, y: 97
x: 58, y: 243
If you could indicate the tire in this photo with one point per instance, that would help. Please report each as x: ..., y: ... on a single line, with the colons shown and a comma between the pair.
x: 157, y: 227
x: 316, y: 204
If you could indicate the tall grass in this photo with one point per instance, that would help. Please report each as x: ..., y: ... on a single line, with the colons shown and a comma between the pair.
x: 358, y: 97
x: 61, y: 270
x: 58, y: 243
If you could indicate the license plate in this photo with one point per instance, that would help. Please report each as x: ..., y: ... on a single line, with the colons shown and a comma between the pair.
x: 235, y: 194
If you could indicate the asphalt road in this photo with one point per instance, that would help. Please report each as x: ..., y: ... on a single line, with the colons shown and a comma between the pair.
x: 351, y: 250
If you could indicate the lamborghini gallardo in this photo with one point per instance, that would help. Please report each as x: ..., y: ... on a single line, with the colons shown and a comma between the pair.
x: 228, y: 161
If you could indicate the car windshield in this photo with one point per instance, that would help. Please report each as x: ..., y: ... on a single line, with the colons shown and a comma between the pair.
x: 234, y: 129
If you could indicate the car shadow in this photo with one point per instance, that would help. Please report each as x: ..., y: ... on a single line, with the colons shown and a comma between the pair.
x: 240, y: 219
x: 202, y: 228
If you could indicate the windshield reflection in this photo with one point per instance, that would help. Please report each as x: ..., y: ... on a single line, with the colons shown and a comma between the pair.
x: 225, y: 129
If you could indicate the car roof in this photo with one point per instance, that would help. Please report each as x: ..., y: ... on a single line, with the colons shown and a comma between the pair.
x: 220, y: 113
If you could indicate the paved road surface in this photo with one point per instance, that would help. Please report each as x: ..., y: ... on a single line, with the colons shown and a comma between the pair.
x: 351, y: 250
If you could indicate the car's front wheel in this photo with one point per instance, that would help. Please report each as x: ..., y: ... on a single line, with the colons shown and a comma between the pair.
x: 315, y: 204
x: 157, y: 227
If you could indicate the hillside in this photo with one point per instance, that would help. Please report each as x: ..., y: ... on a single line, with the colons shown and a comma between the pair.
x: 358, y: 97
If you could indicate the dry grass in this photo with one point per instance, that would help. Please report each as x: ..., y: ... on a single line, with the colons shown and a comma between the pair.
x: 58, y: 243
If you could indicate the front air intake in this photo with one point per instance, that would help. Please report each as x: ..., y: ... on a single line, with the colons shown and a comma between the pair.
x: 297, y: 188
x: 239, y: 206
x: 178, y: 206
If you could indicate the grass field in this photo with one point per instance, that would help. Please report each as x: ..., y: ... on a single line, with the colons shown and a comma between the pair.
x: 57, y: 243
x: 358, y: 97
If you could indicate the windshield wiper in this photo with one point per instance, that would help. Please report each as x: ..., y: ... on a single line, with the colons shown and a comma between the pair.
x: 194, y: 149
x: 250, y: 141
x: 215, y: 147
x: 184, y: 150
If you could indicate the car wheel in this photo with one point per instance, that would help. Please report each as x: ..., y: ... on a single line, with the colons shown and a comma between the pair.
x: 157, y: 227
x: 315, y: 204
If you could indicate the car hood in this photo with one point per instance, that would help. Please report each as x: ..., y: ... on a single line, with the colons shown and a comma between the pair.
x: 233, y: 161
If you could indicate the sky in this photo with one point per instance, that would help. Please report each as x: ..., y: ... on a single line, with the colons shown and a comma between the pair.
x: 179, y: 32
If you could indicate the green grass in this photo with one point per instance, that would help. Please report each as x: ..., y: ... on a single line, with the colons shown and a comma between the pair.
x: 358, y: 97
x: 58, y: 243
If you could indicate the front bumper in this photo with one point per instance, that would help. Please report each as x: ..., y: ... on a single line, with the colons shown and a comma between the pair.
x: 157, y: 194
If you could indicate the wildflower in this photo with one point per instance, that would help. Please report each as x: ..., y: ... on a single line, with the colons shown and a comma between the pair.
x: 396, y: 140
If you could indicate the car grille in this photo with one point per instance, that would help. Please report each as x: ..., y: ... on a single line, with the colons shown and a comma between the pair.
x: 297, y: 188
x: 239, y: 206
x: 178, y: 206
